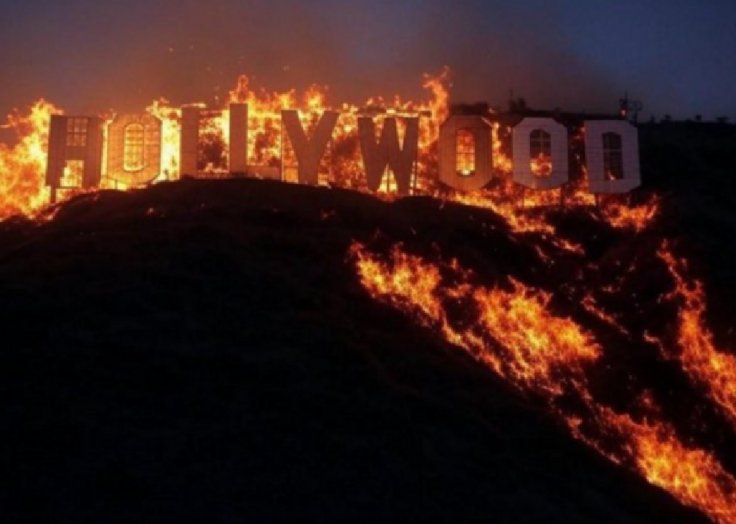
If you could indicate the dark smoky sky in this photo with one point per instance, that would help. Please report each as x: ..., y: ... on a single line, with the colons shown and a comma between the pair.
x: 677, y: 56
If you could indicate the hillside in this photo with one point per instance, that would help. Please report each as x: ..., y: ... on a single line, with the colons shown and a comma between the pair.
x: 203, y: 351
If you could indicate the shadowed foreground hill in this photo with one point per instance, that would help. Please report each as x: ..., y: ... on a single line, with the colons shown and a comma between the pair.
x: 202, y: 351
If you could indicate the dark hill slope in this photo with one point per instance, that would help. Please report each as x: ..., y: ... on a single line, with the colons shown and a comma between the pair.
x: 693, y: 166
x: 202, y: 352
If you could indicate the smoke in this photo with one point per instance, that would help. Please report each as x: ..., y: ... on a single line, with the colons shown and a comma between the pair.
x: 520, y: 49
x: 91, y: 56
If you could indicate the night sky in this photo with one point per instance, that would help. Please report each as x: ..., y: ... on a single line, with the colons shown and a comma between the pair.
x: 678, y: 56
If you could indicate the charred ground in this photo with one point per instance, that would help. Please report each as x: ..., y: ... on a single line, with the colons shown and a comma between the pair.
x: 203, y: 351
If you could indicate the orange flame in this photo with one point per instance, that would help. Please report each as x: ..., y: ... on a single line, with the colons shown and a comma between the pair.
x: 534, y: 343
x: 592, y: 307
x: 636, y: 218
x: 170, y: 136
x: 518, y: 218
x: 541, y: 165
x: 23, y: 166
x: 514, y: 332
x: 705, y: 364
x: 694, y: 476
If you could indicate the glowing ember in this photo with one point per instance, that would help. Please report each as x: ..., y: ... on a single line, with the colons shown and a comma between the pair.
x: 592, y: 307
x: 511, y: 211
x: 541, y: 165
x: 637, y: 218
x: 465, y: 153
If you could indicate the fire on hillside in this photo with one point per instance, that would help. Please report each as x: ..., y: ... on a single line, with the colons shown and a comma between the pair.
x: 518, y: 333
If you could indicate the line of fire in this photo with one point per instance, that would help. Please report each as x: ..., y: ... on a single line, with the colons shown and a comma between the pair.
x: 388, y: 150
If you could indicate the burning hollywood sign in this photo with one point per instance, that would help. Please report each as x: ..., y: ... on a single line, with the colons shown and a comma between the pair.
x: 464, y: 156
x: 387, y: 146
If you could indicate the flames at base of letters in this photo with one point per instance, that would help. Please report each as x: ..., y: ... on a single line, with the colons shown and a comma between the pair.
x: 513, y: 331
x: 22, y: 166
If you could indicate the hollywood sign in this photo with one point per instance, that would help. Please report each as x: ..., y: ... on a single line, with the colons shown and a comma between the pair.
x: 466, y: 159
